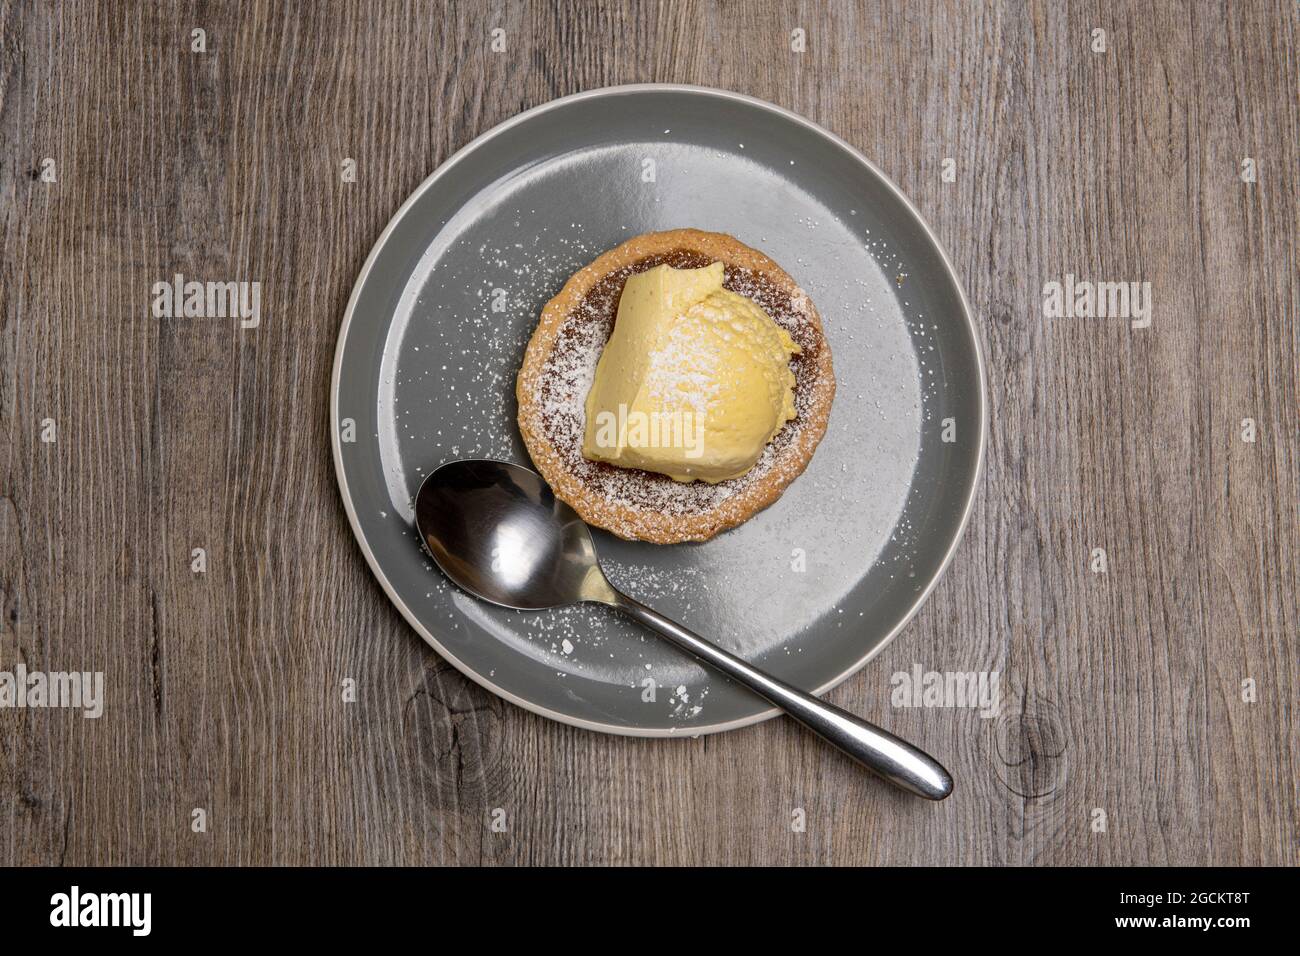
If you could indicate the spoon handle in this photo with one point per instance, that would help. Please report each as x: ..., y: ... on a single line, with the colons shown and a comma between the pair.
x: 879, y: 751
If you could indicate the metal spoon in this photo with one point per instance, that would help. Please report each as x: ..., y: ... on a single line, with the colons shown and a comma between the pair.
x: 498, y: 531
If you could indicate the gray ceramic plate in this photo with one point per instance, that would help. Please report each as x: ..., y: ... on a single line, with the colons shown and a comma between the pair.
x: 812, y: 587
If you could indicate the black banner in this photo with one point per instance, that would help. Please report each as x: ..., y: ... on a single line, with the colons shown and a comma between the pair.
x: 336, y: 906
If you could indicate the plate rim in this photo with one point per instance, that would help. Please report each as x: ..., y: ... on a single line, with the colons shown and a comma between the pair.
x: 460, y: 156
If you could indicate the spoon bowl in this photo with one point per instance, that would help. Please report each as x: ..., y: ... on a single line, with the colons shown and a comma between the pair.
x: 498, y: 531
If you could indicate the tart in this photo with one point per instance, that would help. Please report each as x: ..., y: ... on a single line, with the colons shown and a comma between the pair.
x: 559, y: 368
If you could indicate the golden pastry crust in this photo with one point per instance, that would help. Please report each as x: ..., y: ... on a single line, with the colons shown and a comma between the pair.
x: 555, y: 376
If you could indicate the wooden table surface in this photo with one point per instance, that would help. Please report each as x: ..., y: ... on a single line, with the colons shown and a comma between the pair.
x: 1149, y: 712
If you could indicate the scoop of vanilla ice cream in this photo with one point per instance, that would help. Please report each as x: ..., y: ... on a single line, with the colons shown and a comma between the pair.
x: 694, y: 381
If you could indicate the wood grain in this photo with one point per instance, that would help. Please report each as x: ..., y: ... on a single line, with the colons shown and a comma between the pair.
x: 1123, y: 690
